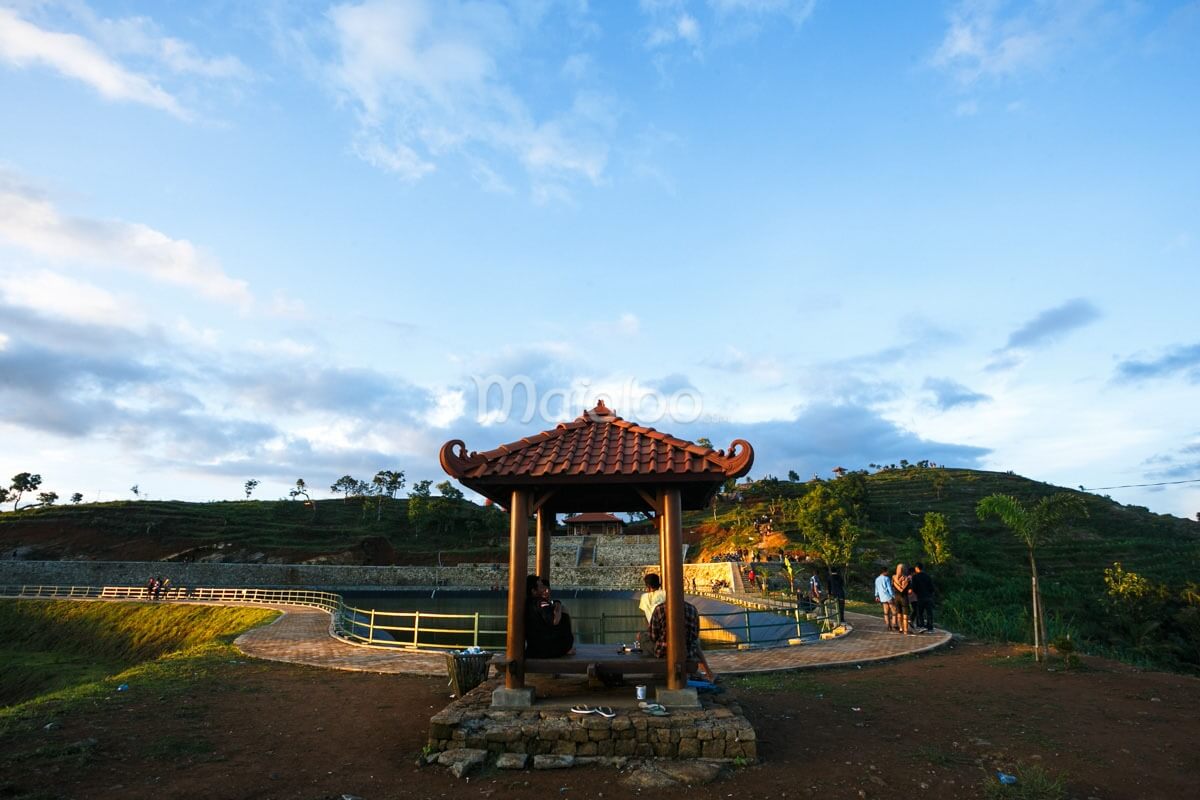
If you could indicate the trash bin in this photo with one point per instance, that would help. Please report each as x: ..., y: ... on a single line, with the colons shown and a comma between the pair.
x: 466, y: 670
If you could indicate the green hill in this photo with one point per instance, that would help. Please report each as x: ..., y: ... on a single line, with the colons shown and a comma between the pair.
x: 984, y: 591
x: 241, y: 530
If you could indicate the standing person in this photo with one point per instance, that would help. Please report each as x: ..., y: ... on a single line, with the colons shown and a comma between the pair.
x: 750, y: 576
x: 816, y: 593
x: 922, y: 584
x: 885, y: 597
x: 547, y: 624
x: 837, y: 592
x: 901, y: 583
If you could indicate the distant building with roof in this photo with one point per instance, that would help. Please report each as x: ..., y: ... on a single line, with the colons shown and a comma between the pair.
x: 594, y: 524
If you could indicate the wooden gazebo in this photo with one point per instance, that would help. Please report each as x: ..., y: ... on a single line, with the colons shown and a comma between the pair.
x: 598, y: 462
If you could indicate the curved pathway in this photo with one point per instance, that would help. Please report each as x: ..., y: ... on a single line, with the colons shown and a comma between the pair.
x: 301, y: 635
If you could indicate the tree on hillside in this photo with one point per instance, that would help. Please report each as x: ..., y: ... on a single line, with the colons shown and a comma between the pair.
x: 389, y: 481
x: 935, y: 537
x: 851, y: 492
x: 250, y: 486
x: 77, y: 498
x: 300, y: 490
x: 939, y: 481
x: 793, y: 476
x: 22, y: 482
x: 449, y: 490
x: 1034, y: 527
x: 704, y: 441
x: 47, y: 498
x: 5, y: 496
x: 826, y: 527
x: 386, y: 482
x: 137, y: 492
x: 420, y: 506
x: 346, y: 485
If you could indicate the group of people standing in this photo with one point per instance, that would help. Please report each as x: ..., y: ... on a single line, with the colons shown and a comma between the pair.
x: 907, y: 598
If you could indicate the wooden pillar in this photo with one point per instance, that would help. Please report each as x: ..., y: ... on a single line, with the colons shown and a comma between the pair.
x: 672, y: 539
x: 518, y: 566
x: 545, y: 524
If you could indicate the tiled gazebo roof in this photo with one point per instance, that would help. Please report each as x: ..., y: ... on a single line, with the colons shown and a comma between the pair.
x: 597, y: 463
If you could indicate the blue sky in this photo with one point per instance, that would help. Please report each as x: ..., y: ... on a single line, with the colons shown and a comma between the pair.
x: 282, y: 240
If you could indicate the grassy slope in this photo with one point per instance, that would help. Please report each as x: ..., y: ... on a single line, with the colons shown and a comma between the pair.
x: 60, y: 646
x: 269, y: 525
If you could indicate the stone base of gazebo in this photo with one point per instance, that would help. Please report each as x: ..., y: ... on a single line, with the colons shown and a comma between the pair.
x: 718, y: 730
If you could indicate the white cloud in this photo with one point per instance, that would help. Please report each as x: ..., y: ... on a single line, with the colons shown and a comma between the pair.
x: 31, y: 222
x: 981, y: 41
x: 56, y: 295
x: 287, y: 348
x: 283, y: 305
x: 23, y: 44
x: 428, y: 82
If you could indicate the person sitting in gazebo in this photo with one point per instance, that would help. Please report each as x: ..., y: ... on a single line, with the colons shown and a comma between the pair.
x: 691, y: 621
x: 547, y: 624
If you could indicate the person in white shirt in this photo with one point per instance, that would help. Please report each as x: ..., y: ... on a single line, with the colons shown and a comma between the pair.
x: 653, y: 595
x: 885, y: 595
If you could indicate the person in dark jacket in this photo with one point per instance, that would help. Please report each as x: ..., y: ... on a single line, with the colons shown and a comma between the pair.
x: 837, y: 592
x: 922, y: 585
x: 547, y: 624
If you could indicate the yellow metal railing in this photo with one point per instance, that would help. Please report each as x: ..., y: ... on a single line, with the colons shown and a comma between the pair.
x: 426, y: 630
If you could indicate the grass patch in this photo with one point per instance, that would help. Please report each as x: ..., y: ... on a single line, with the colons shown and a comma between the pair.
x: 1033, y: 783
x: 775, y: 682
x: 64, y: 649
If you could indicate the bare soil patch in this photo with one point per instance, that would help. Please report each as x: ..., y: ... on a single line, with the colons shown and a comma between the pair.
x: 928, y: 727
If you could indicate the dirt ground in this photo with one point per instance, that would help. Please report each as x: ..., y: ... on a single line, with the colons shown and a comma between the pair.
x: 929, y: 727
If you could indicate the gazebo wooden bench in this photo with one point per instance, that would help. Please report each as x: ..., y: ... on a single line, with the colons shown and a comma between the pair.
x: 595, y: 661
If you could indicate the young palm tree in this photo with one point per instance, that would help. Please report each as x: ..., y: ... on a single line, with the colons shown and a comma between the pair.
x: 1033, y: 526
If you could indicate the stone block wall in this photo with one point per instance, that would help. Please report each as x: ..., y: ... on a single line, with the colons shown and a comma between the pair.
x: 485, y: 576
x: 719, y: 730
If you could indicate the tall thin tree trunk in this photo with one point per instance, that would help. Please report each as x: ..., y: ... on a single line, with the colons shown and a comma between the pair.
x: 1037, y: 609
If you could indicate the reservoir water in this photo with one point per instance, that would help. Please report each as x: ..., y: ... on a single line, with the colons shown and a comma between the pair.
x: 597, y: 617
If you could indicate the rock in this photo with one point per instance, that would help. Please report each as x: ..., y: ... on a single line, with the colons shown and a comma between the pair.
x: 648, y: 777
x: 462, y: 761
x: 553, y: 761
x: 692, y: 773
x: 511, y: 761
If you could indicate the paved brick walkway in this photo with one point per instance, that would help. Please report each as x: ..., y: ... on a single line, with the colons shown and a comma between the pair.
x: 301, y: 635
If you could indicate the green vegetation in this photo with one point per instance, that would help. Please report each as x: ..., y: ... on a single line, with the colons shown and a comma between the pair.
x: 909, y: 513
x: 1033, y: 783
x: 62, y: 649
x: 984, y: 588
x: 297, y: 529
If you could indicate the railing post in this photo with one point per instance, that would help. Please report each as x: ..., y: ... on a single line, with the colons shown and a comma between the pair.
x: 416, y: 627
x: 746, y: 614
x: 475, y: 637
x: 603, y: 629
x: 371, y: 629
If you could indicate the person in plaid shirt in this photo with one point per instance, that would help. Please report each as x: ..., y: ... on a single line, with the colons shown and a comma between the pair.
x: 691, y: 623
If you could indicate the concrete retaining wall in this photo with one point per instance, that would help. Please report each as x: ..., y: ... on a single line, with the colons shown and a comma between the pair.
x: 136, y: 573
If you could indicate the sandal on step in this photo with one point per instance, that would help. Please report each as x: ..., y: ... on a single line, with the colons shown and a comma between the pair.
x: 583, y: 710
x: 605, y: 711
